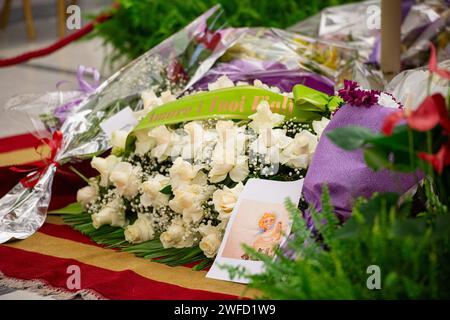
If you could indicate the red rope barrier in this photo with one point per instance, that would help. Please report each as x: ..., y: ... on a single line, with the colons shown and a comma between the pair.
x: 56, y: 45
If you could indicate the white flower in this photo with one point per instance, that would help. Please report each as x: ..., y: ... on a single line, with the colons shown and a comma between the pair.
x: 211, y: 240
x: 320, y: 125
x: 196, y: 140
x: 177, y: 236
x: 220, y: 83
x: 150, y: 100
x: 112, y: 214
x: 86, y: 195
x: 167, y: 96
x: 151, y: 195
x: 125, y: 178
x: 188, y: 200
x: 269, y: 143
x: 225, y: 199
x: 387, y: 101
x: 183, y: 172
x: 264, y: 118
x: 104, y: 166
x: 298, y: 153
x: 119, y: 139
x: 237, y: 168
x: 143, y: 142
x: 166, y: 142
x: 140, y: 231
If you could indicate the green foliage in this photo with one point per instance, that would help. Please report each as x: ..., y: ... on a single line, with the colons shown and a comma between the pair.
x: 138, y: 25
x: 114, y: 237
x: 412, y: 254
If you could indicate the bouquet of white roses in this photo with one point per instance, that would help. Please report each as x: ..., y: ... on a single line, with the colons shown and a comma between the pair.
x: 169, y: 186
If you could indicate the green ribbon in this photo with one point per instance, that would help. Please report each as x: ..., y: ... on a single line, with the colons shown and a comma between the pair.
x: 238, y: 103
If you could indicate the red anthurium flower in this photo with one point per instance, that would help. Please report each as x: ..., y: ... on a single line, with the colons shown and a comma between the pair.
x: 439, y: 160
x: 431, y: 112
x: 432, y: 65
x: 391, y: 121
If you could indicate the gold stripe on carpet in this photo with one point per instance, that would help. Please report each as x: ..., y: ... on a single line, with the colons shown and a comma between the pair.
x: 21, y: 156
x: 120, y: 261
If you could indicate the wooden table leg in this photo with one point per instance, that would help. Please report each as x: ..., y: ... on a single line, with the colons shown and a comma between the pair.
x: 4, y: 15
x: 29, y: 19
x: 61, y: 17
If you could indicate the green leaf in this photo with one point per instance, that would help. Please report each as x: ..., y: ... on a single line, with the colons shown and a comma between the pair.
x: 167, y: 190
x: 73, y: 208
x: 376, y: 158
x: 350, y: 138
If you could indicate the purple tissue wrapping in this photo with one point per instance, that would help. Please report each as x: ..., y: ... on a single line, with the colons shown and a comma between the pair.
x: 345, y: 172
x: 272, y: 73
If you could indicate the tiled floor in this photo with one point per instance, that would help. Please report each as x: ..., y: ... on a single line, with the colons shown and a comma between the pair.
x: 41, y: 75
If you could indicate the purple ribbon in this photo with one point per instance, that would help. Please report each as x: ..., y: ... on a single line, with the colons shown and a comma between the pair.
x: 84, y: 87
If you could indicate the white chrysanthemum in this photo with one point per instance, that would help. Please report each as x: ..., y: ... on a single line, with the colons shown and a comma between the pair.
x: 320, y: 125
x: 104, y: 166
x: 220, y: 83
x: 112, y: 214
x: 225, y: 199
x: 126, y: 179
x: 299, y: 152
x: 140, y: 231
x: 151, y: 195
x: 264, y: 118
x: 87, y: 195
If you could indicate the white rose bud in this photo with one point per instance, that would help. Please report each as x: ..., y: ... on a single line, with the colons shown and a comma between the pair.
x: 112, y: 214
x: 119, y: 139
x: 125, y: 178
x: 176, y: 236
x: 264, y: 118
x: 151, y: 195
x: 225, y: 199
x: 140, y: 231
x: 320, y: 125
x: 212, y: 238
x: 87, y: 195
x: 104, y: 166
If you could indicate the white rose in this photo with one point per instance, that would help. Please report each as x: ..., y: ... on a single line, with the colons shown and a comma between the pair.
x: 299, y: 152
x: 237, y: 168
x: 188, y: 201
x: 112, y: 214
x: 166, y: 142
x: 177, y: 236
x: 196, y: 140
x: 167, y: 96
x: 211, y: 240
x: 220, y: 83
x: 126, y: 179
x: 143, y: 142
x: 140, y: 231
x: 119, y: 139
x: 320, y: 125
x: 104, y: 166
x: 87, y: 195
x: 269, y: 143
x: 225, y: 199
x: 183, y: 172
x: 264, y: 118
x: 151, y: 195
x: 150, y: 100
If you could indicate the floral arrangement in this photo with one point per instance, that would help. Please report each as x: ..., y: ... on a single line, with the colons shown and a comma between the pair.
x: 179, y: 184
